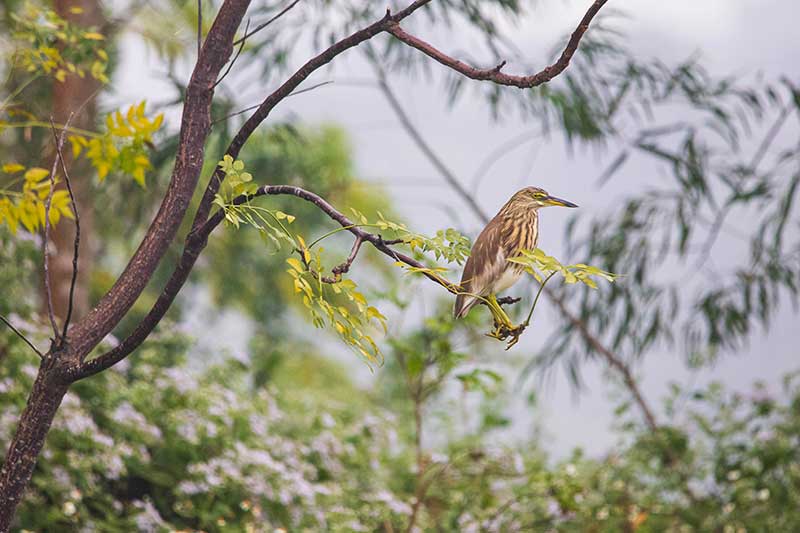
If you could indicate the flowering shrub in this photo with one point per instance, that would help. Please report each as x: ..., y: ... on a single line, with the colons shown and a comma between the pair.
x: 153, y: 446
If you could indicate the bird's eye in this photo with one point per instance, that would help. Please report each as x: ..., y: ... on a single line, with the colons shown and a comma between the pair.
x: 538, y: 194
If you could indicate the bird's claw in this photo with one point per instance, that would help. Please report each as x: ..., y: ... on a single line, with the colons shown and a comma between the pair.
x: 502, y: 332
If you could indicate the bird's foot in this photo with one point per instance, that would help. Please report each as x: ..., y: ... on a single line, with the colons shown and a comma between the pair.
x: 503, y: 331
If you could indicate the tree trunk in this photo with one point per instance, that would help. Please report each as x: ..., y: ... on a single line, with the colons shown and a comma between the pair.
x: 45, y: 398
x: 68, y: 97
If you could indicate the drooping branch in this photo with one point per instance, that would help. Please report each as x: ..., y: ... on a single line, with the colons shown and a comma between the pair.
x: 611, y: 358
x: 494, y: 74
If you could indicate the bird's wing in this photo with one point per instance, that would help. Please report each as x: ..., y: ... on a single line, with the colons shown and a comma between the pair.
x: 485, y: 265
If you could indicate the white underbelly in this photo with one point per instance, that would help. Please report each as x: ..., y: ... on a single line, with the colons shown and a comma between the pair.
x: 509, y: 278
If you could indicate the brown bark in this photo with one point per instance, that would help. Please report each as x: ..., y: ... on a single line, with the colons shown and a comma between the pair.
x: 68, y: 96
x: 45, y: 398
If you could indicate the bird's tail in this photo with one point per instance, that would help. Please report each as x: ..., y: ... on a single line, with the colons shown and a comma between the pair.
x: 464, y: 302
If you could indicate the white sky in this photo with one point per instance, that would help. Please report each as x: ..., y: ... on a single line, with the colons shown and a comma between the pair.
x: 734, y: 36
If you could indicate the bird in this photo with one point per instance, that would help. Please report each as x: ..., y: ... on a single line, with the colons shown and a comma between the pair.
x: 488, y: 272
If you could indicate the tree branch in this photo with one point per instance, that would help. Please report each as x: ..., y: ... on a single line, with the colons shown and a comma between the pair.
x: 118, y: 300
x: 48, y: 293
x: 494, y: 74
x: 235, y: 57
x: 267, y: 23
x: 21, y: 336
x: 77, y: 240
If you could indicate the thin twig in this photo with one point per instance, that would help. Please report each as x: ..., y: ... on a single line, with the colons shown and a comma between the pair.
x: 267, y: 23
x: 235, y: 57
x: 21, y: 336
x: 48, y: 293
x: 344, y: 268
x: 295, y: 93
x: 77, y: 240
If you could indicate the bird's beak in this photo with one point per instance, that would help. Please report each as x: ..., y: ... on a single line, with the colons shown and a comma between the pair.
x: 552, y: 200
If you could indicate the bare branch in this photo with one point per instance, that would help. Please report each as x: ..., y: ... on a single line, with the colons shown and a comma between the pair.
x: 59, y: 142
x: 344, y: 268
x: 246, y: 109
x: 494, y: 74
x: 77, y: 241
x: 267, y: 23
x: 235, y: 57
x: 21, y: 336
x: 612, y: 360
x: 48, y: 293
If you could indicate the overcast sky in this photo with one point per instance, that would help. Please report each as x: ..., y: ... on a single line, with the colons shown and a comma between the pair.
x: 733, y: 36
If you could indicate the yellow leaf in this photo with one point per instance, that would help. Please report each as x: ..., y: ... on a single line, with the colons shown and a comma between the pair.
x: 76, y: 10
x: 93, y: 36
x: 11, y: 168
x: 295, y: 264
x: 35, y: 174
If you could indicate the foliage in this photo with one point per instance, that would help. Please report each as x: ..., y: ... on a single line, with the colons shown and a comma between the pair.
x: 153, y: 445
x: 540, y: 265
x: 123, y: 146
x: 29, y: 206
x: 47, y: 44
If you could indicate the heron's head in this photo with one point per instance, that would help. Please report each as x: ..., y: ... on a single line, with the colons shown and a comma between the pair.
x: 534, y: 198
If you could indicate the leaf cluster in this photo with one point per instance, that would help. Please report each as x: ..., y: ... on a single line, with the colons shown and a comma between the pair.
x: 123, y: 146
x: 46, y: 44
x: 28, y: 206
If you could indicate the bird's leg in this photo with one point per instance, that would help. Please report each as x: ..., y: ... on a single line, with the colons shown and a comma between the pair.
x: 502, y: 323
x: 503, y: 327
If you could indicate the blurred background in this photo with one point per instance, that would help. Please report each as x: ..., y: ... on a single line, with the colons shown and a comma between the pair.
x: 664, y: 401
